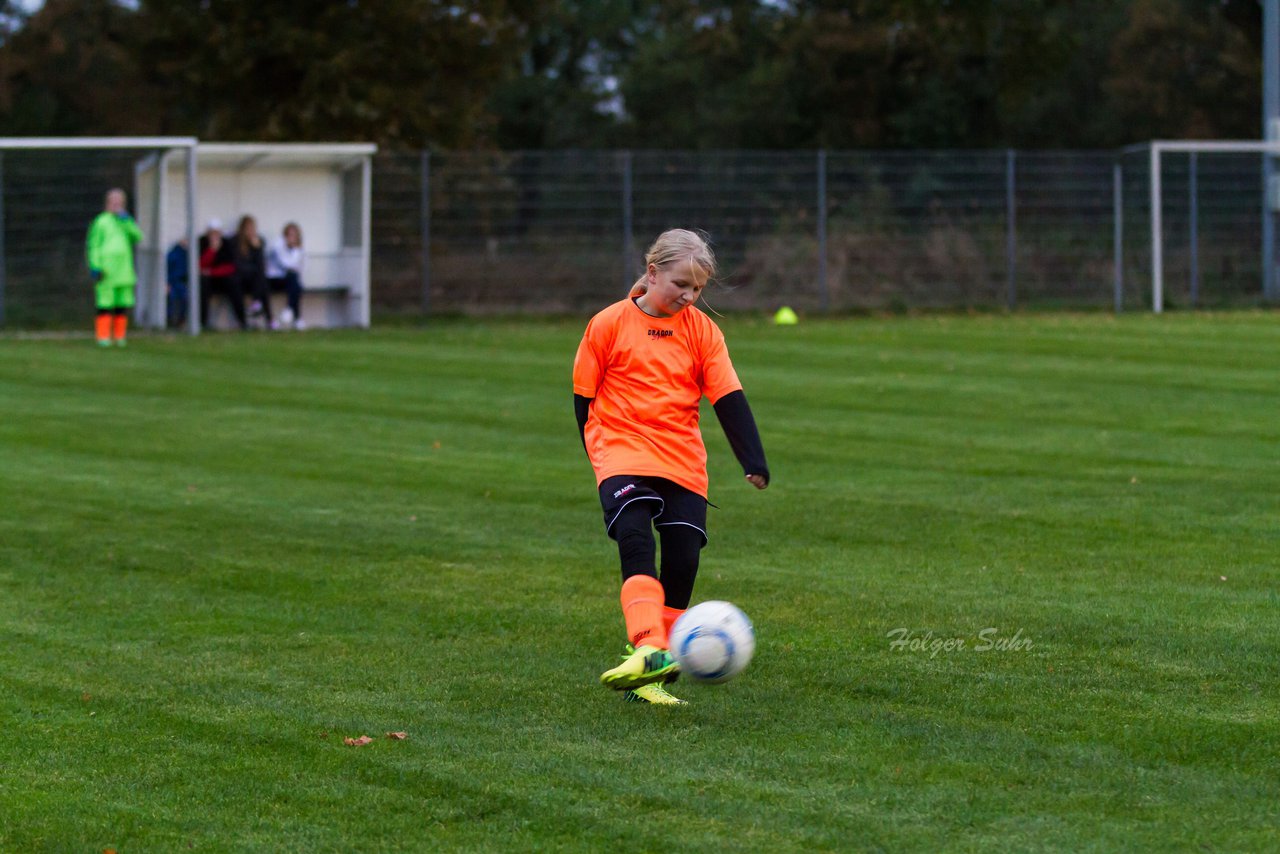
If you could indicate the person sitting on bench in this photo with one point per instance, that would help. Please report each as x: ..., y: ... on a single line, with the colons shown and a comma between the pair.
x: 216, y: 275
x: 284, y: 273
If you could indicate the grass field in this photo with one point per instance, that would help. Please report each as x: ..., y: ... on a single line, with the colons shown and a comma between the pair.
x: 220, y: 557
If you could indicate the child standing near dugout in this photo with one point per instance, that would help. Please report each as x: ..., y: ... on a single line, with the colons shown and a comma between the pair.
x: 641, y: 370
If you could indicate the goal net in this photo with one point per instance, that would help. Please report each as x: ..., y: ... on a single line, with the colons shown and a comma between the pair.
x: 1199, y: 224
x: 50, y: 191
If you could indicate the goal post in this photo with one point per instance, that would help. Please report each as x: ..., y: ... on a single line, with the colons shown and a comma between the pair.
x: 50, y: 190
x: 1197, y: 155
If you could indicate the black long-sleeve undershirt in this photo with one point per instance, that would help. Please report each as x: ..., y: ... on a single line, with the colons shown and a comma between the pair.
x: 736, y: 420
x: 582, y: 409
x: 739, y: 427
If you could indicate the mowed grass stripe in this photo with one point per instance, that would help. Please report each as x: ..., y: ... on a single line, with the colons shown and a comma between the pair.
x: 218, y: 550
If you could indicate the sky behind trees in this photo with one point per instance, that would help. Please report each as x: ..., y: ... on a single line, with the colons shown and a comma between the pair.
x: 637, y: 73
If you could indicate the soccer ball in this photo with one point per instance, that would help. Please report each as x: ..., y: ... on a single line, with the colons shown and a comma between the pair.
x: 713, y: 641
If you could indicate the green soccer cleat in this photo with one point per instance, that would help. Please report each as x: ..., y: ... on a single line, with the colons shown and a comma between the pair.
x: 644, y: 666
x: 656, y: 694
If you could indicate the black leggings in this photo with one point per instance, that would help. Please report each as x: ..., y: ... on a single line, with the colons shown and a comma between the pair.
x: 681, y: 548
x: 228, y: 286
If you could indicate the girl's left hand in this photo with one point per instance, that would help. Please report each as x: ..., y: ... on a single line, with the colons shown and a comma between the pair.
x: 757, y: 480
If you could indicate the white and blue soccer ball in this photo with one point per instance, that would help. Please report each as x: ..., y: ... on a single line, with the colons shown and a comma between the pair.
x: 713, y: 641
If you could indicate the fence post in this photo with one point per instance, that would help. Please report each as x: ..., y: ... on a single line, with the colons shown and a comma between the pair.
x: 1117, y: 233
x: 424, y: 217
x: 1193, y: 202
x: 824, y: 288
x: 628, y: 226
x: 1011, y: 230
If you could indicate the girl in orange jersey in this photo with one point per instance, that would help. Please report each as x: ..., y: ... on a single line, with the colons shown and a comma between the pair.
x: 642, y: 368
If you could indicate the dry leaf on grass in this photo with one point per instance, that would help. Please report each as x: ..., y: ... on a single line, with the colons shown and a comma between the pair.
x: 397, y: 736
x: 357, y: 742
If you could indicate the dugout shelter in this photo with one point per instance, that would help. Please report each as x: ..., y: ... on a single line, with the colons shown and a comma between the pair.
x: 323, y: 187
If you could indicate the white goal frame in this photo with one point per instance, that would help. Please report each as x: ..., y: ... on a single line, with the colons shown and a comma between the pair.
x: 166, y: 144
x: 1159, y: 147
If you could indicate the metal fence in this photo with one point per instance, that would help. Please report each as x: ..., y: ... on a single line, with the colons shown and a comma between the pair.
x: 557, y: 231
x: 565, y: 231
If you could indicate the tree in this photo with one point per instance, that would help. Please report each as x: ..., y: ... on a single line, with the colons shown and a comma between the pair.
x: 637, y: 73
x: 713, y: 75
x: 1181, y: 69
x: 400, y: 73
x: 68, y: 70
x: 559, y: 91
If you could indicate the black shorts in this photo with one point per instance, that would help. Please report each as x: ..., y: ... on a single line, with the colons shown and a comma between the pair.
x: 669, y: 502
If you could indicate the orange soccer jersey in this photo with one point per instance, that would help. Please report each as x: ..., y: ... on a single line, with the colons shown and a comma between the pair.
x: 646, y: 376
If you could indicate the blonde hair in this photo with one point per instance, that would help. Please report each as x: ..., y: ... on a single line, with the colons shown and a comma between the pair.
x: 672, y: 246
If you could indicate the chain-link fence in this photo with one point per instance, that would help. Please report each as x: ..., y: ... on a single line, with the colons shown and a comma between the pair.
x: 566, y: 230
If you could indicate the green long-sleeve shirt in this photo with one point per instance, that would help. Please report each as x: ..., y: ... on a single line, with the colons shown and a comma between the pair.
x: 110, y: 248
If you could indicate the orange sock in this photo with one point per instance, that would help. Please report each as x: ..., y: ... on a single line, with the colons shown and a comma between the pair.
x: 102, y: 326
x: 669, y: 617
x: 642, y: 609
x: 121, y: 326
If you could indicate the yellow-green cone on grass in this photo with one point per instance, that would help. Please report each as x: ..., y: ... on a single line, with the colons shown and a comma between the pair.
x: 785, y: 317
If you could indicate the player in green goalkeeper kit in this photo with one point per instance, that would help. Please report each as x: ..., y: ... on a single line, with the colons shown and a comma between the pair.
x: 112, y: 237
